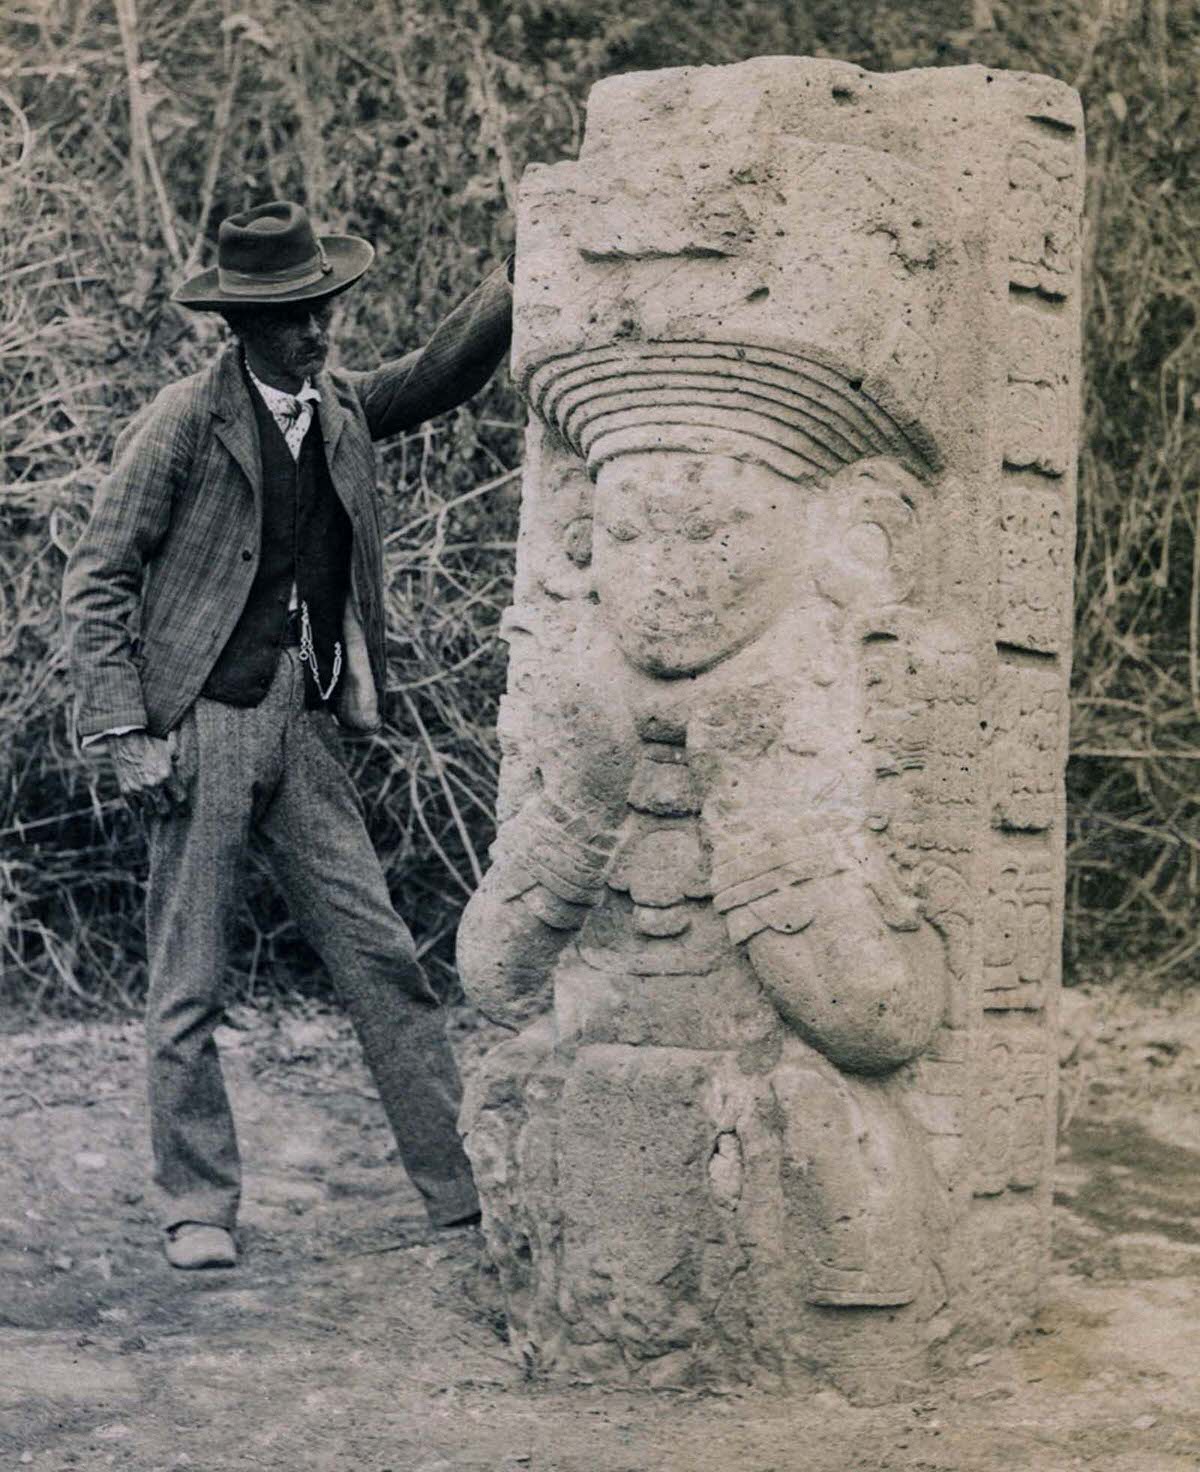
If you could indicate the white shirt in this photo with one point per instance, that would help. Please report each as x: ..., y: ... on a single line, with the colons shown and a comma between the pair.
x: 293, y: 413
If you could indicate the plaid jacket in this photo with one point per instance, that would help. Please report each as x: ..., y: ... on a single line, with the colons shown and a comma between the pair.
x: 159, y: 578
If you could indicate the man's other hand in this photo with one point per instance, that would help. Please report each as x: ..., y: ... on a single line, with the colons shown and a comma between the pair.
x: 146, y: 773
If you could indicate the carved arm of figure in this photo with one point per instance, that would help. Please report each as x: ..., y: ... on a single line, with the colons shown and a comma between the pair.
x: 849, y: 962
x: 843, y: 951
x: 550, y: 860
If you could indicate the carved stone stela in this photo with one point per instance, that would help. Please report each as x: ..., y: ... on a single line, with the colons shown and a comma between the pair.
x: 774, y: 908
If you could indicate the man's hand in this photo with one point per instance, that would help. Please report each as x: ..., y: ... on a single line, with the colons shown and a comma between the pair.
x: 146, y: 773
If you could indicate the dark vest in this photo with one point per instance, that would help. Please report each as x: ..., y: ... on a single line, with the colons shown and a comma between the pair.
x: 306, y: 537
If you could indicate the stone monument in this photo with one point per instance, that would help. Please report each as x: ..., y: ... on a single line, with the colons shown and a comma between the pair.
x: 774, y: 909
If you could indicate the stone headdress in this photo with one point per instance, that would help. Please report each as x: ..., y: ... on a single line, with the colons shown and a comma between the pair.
x: 792, y: 304
x: 793, y: 413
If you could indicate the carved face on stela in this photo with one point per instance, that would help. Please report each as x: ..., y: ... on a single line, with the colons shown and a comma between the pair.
x: 696, y: 555
x: 734, y: 485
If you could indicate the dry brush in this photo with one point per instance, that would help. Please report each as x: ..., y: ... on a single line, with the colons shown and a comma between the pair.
x: 127, y: 132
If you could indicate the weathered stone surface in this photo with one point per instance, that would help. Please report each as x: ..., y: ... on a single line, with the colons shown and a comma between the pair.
x: 774, y: 909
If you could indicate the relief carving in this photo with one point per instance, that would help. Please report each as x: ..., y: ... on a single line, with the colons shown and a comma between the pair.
x: 1036, y: 428
x: 1033, y: 558
x: 1012, y: 1112
x: 1027, y: 747
x: 1042, y: 216
x: 760, y: 1089
x: 1020, y: 933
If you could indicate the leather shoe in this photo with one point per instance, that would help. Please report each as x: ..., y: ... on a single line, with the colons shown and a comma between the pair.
x: 199, y: 1245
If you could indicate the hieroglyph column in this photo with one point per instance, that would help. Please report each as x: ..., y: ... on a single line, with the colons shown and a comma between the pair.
x: 775, y: 905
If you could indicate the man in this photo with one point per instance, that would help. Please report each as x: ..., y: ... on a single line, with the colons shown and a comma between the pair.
x: 224, y: 612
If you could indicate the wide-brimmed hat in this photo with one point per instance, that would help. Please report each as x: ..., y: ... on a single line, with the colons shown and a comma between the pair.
x: 269, y: 257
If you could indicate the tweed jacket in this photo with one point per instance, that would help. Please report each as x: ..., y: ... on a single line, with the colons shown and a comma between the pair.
x: 158, y: 580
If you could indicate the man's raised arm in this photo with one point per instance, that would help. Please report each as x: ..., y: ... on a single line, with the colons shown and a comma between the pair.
x: 456, y: 362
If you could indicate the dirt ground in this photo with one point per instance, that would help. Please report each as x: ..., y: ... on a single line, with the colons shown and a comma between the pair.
x: 350, y: 1338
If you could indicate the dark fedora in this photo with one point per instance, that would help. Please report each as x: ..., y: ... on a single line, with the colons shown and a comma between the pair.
x: 270, y: 257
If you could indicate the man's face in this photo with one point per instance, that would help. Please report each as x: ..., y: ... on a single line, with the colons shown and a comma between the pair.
x: 694, y: 556
x: 289, y: 342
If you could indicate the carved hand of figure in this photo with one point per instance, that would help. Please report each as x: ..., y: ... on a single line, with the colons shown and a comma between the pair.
x: 551, y: 857
x: 146, y: 772
x: 837, y: 942
x: 858, y: 975
x: 593, y: 753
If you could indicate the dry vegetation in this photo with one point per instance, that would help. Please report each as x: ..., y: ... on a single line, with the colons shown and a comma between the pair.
x: 127, y: 135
